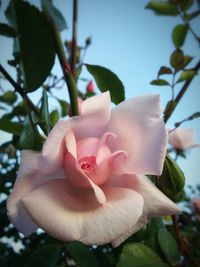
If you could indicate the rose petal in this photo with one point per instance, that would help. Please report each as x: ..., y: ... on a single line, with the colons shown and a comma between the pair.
x: 141, y: 133
x: 29, y: 163
x: 95, y: 113
x: 156, y: 204
x: 53, y: 148
x: 77, y: 178
x: 94, y: 117
x: 24, y: 185
x: 103, y: 148
x: 182, y: 138
x: 140, y: 224
x: 70, y: 142
x: 87, y: 147
x: 104, y: 171
x: 69, y: 214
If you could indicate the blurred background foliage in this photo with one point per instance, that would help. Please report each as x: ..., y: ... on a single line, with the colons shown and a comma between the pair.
x: 28, y: 122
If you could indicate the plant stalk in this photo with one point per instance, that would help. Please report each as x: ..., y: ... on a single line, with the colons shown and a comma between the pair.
x: 74, y: 37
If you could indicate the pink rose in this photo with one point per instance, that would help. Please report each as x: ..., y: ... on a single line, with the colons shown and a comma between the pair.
x: 88, y: 182
x: 182, y: 138
x: 196, y: 204
x: 90, y: 87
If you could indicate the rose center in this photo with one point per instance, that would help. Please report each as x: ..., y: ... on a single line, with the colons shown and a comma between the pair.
x: 88, y: 163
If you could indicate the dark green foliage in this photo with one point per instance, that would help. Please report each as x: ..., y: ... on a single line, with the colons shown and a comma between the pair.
x: 107, y: 81
x: 179, y: 34
x: 7, y: 30
x: 172, y: 180
x: 35, y: 43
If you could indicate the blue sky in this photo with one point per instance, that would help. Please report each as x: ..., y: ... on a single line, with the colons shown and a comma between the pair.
x: 132, y: 42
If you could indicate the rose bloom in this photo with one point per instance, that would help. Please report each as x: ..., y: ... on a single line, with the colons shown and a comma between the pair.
x: 88, y: 183
x: 90, y: 87
x: 196, y: 204
x: 182, y: 139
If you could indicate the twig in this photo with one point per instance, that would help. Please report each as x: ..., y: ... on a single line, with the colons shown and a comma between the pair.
x: 187, y: 24
x: 20, y: 90
x: 74, y: 37
x: 171, y: 109
x: 183, y: 243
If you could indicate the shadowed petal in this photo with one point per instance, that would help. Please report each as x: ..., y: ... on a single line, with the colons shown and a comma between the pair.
x: 156, y: 204
x: 141, y: 133
x: 140, y: 224
x: 105, y: 170
x: 29, y: 163
x: 95, y: 114
x: 103, y: 148
x: 15, y: 209
x: 53, y: 148
x: 78, y: 178
x: 74, y: 214
x: 87, y: 147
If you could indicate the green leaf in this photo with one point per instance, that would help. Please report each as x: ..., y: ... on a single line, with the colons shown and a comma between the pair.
x: 177, y: 59
x: 179, y: 34
x: 29, y: 137
x: 164, y: 70
x: 9, y: 97
x: 186, y: 75
x: 55, y: 15
x: 54, y: 117
x: 160, y: 82
x: 7, y: 30
x: 172, y: 180
x: 64, y: 107
x: 169, y: 246
x: 139, y: 255
x: 82, y: 255
x: 192, y: 15
x: 45, y: 112
x: 10, y: 127
x: 186, y: 61
x: 185, y: 4
x: 45, y: 256
x: 162, y: 8
x: 35, y: 43
x: 106, y: 80
x: 195, y: 115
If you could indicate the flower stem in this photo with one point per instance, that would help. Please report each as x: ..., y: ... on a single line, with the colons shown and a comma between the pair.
x: 74, y: 37
x: 66, y: 69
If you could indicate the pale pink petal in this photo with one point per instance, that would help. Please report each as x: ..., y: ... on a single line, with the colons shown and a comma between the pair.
x: 53, y: 148
x: 74, y: 214
x: 29, y: 163
x: 70, y: 143
x: 103, y: 148
x: 15, y: 209
x: 140, y: 224
x: 24, y: 185
x: 141, y: 133
x: 182, y: 138
x: 156, y: 204
x: 76, y: 177
x: 87, y: 147
x: 95, y: 114
x: 105, y: 169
